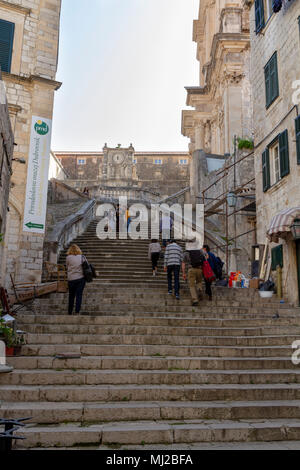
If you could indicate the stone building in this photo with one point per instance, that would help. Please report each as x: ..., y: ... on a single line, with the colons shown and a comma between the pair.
x: 222, y: 117
x: 116, y: 169
x: 29, y: 32
x: 275, y: 75
x: 6, y: 153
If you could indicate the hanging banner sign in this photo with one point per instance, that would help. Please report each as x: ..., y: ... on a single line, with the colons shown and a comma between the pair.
x: 37, y: 175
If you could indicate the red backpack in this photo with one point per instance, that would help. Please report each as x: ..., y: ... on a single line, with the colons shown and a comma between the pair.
x: 208, y: 272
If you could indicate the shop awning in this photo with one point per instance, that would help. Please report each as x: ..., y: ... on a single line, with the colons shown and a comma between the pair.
x: 281, y: 223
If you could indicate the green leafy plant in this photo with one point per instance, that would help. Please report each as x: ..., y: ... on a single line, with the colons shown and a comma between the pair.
x: 245, y: 144
x: 10, y: 338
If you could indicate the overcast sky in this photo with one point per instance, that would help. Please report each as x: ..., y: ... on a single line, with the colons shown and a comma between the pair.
x: 124, y: 65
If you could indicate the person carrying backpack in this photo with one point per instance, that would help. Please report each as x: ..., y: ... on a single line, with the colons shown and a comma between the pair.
x: 192, y: 261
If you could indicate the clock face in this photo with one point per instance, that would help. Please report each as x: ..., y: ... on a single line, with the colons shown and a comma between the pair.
x: 118, y: 158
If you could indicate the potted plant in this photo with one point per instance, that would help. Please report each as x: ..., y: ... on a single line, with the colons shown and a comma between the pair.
x: 13, y: 341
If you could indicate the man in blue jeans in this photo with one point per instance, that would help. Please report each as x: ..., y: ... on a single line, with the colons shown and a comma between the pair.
x: 172, y: 263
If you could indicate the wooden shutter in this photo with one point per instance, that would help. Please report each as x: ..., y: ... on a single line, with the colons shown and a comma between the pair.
x: 284, y: 154
x: 271, y: 80
x: 259, y: 15
x: 274, y: 77
x: 277, y: 257
x: 266, y: 170
x: 7, y: 30
x: 297, y: 125
x: 268, y: 84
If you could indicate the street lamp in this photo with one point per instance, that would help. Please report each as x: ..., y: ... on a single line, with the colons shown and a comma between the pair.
x: 231, y: 199
x: 295, y: 229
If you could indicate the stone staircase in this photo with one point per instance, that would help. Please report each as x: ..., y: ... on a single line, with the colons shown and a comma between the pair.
x: 119, y: 261
x: 150, y: 372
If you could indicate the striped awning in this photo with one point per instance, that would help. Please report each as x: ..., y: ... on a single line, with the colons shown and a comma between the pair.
x: 281, y: 223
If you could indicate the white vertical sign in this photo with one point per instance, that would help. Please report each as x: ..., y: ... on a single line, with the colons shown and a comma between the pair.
x: 37, y: 175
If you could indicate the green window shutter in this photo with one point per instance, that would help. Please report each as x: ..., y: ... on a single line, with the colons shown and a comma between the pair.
x: 297, y: 125
x: 277, y: 257
x: 271, y: 80
x: 266, y: 170
x: 268, y: 84
x: 259, y: 15
x: 284, y: 154
x: 7, y: 30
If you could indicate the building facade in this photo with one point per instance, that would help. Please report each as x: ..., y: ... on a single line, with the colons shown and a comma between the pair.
x: 220, y: 120
x: 275, y: 75
x: 163, y: 173
x: 29, y: 33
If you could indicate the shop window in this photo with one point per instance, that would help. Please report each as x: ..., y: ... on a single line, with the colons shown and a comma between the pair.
x: 277, y: 257
x: 7, y: 31
x: 271, y: 80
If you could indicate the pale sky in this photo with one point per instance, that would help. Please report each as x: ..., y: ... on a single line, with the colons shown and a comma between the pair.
x: 124, y: 65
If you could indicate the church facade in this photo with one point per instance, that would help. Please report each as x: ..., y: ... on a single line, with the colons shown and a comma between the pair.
x: 123, y: 171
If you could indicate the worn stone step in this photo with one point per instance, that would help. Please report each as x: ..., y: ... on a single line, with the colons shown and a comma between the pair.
x: 59, y: 343
x: 158, y: 377
x: 154, y: 363
x: 218, y: 340
x: 155, y: 432
x: 152, y: 326
x: 194, y: 392
x: 53, y: 412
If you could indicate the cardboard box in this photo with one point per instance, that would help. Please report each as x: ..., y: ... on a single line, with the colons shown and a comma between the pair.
x: 254, y: 283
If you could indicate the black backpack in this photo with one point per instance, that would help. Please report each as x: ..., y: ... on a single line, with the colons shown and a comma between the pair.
x: 197, y: 258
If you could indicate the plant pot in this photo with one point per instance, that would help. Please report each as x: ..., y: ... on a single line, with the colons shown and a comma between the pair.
x: 17, y: 350
x: 9, y: 351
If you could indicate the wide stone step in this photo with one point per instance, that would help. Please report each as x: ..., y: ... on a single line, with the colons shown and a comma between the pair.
x: 96, y: 337
x: 61, y: 343
x: 85, y: 413
x: 158, y: 377
x: 156, y: 328
x: 194, y: 392
x: 135, y: 363
x: 155, y: 432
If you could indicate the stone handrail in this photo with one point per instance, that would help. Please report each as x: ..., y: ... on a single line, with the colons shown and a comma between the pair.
x: 175, y: 195
x: 68, y: 229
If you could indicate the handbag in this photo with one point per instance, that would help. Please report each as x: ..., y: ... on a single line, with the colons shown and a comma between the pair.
x: 88, y: 270
x: 208, y: 273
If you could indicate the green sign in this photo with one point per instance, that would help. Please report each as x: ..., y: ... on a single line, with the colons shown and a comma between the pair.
x: 31, y: 225
x: 41, y: 127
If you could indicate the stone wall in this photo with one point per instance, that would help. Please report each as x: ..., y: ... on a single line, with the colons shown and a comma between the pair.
x: 280, y: 34
x: 30, y: 89
x: 6, y: 153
